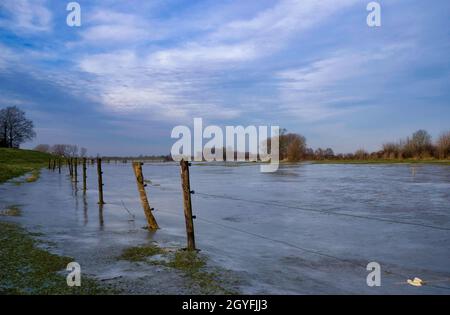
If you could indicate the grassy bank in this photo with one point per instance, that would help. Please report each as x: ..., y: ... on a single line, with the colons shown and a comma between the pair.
x: 16, y: 162
x: 27, y: 269
x: 193, y: 265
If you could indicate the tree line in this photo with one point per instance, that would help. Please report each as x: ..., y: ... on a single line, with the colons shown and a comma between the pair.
x: 63, y: 150
x: 419, y: 145
x: 15, y: 129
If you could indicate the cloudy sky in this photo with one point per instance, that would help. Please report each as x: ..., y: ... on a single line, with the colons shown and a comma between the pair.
x: 135, y: 69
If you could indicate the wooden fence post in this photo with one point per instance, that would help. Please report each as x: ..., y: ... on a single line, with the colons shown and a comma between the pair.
x: 100, y: 181
x: 75, y: 170
x: 59, y: 165
x: 84, y: 174
x: 186, y: 188
x: 70, y: 167
x: 152, y: 224
x: 54, y: 165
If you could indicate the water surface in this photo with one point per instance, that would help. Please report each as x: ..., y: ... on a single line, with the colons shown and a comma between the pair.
x: 305, y: 229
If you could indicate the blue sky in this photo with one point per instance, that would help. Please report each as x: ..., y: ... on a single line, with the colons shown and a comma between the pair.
x: 135, y: 69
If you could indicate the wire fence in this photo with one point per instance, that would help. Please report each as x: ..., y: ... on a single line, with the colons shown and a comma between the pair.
x: 328, y: 212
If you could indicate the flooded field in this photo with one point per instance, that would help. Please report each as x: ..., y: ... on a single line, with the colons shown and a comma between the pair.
x: 307, y: 229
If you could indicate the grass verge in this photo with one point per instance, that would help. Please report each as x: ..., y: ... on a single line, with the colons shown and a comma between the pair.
x: 16, y: 162
x: 11, y: 211
x: 28, y: 269
x: 192, y: 264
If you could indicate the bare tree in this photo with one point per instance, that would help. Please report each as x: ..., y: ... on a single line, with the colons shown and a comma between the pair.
x: 42, y: 148
x: 329, y: 154
x: 83, y: 152
x: 391, y: 150
x: 15, y: 128
x: 66, y: 150
x: 418, y: 146
x: 319, y: 154
x: 59, y: 149
x: 361, y: 154
x: 443, y: 145
x: 72, y: 150
x: 295, y: 149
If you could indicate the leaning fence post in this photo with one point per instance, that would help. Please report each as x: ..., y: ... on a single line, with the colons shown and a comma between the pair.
x: 100, y: 181
x: 84, y: 174
x: 186, y: 188
x: 152, y: 224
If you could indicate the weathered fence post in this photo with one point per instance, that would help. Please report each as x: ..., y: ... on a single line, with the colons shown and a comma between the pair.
x: 75, y: 170
x: 84, y: 174
x: 152, y: 224
x: 59, y: 165
x: 70, y: 167
x: 100, y: 181
x: 186, y: 188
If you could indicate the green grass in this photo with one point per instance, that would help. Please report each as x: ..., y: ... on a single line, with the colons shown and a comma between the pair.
x: 140, y: 253
x: 11, y: 211
x: 28, y: 269
x: 33, y: 177
x: 190, y: 263
x: 16, y: 162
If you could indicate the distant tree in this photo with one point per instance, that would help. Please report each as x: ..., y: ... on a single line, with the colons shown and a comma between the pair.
x: 417, y: 146
x: 15, y: 128
x: 443, y: 145
x: 59, y: 149
x: 391, y: 150
x: 66, y: 150
x: 329, y: 154
x: 309, y: 153
x: 361, y: 154
x: 421, y: 144
x: 319, y: 154
x: 292, y: 147
x: 296, y: 147
x: 283, y: 143
x: 295, y: 150
x: 83, y: 152
x: 42, y: 148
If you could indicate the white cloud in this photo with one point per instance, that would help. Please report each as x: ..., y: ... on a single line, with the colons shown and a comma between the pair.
x: 332, y: 86
x: 197, y: 54
x: 27, y: 16
x: 107, y: 26
x: 178, y: 77
x: 7, y: 56
x: 117, y: 63
x: 248, y: 39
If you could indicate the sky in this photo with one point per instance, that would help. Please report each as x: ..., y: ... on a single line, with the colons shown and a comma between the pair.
x: 134, y: 70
